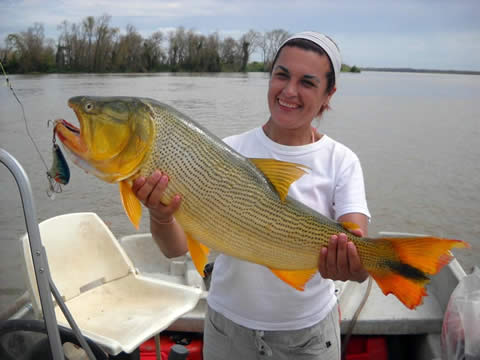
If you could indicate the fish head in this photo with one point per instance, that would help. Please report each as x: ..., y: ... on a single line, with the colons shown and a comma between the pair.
x: 114, y: 136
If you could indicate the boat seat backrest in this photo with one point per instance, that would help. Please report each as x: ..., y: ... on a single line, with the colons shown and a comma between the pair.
x: 82, y: 253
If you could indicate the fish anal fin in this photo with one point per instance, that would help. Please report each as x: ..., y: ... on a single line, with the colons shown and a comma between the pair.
x: 130, y: 202
x: 199, y: 254
x: 410, y: 292
x: 280, y: 173
x: 295, y: 278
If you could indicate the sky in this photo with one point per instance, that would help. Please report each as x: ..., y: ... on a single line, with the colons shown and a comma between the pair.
x: 421, y: 34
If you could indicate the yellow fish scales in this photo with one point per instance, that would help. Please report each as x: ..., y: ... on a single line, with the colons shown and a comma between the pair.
x: 232, y: 204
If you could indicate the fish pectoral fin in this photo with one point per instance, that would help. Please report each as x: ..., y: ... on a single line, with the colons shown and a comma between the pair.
x: 348, y: 225
x: 280, y: 173
x: 130, y: 202
x: 295, y: 278
x: 199, y: 253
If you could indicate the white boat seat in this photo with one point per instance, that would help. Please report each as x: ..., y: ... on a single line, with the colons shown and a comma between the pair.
x: 111, y: 303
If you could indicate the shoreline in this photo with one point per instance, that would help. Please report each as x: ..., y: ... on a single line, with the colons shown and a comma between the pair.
x: 425, y: 71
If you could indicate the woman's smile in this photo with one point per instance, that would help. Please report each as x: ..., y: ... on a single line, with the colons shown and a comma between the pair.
x: 287, y: 104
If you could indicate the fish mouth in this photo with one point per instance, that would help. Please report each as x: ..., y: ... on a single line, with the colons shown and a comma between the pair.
x: 70, y: 135
x: 68, y: 126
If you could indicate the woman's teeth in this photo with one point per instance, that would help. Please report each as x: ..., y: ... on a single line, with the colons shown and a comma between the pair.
x: 288, y: 105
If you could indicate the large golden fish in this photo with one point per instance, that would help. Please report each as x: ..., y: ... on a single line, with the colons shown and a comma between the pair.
x: 232, y: 204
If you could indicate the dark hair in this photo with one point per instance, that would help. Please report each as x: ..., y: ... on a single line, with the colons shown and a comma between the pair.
x: 310, y: 46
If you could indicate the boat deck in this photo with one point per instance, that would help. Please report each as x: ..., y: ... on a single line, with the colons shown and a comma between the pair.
x: 382, y: 315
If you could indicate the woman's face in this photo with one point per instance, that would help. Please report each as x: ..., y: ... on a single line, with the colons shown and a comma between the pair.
x: 297, y: 87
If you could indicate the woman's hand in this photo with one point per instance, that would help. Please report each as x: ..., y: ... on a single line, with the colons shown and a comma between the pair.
x: 166, y: 232
x: 340, y: 260
x: 150, y: 191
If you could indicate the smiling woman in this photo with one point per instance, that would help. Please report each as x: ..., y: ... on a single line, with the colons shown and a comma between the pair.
x: 245, y: 296
x: 298, y: 92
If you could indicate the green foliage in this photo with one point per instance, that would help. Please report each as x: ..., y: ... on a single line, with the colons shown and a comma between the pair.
x: 355, y: 69
x: 352, y: 69
x: 255, y: 67
x: 93, y: 45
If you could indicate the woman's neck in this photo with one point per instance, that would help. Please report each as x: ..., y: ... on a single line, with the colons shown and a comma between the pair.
x: 291, y: 137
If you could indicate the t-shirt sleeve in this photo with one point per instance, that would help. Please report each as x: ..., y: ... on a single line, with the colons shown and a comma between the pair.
x: 349, y: 195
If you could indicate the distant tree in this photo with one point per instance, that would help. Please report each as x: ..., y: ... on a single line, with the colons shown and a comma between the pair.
x: 6, y: 53
x: 127, y: 53
x: 72, y: 46
x: 153, y: 54
x: 176, y: 47
x: 210, y: 54
x: 193, y: 47
x: 32, y: 51
x: 269, y: 44
x: 104, y: 36
x: 228, y: 53
x: 248, y: 44
x: 354, y: 69
x: 89, y: 27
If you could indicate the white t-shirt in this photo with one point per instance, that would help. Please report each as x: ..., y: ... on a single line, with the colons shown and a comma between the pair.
x: 250, y: 294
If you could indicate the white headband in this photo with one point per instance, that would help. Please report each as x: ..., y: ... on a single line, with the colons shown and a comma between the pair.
x: 325, y: 43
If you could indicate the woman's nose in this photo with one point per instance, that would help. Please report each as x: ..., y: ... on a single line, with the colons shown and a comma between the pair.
x: 290, y: 89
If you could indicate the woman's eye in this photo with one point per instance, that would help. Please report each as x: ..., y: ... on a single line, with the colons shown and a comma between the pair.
x: 282, y: 75
x: 308, y: 83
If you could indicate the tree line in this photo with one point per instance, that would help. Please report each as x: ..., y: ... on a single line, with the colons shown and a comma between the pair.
x: 93, y: 45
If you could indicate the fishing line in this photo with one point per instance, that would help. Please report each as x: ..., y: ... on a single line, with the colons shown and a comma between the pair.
x: 53, y: 186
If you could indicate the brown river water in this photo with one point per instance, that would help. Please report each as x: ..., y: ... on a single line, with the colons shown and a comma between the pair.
x: 417, y: 136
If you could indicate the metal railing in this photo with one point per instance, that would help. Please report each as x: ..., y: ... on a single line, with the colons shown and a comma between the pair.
x: 45, y: 284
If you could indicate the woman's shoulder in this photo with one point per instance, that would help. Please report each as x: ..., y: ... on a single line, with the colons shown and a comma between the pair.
x: 337, y: 148
x: 241, y: 138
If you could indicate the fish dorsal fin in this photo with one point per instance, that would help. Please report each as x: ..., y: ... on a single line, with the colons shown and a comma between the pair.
x: 130, y: 202
x: 199, y: 254
x: 280, y: 173
x: 295, y: 278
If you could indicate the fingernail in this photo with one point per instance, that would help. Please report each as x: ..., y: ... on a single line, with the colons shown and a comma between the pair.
x: 164, y: 180
x: 155, y: 176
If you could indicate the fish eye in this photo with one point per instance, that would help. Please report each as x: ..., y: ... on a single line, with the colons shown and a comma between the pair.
x: 88, y: 106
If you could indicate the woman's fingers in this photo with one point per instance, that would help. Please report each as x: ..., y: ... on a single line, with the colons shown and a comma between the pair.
x: 340, y: 260
x: 159, y: 183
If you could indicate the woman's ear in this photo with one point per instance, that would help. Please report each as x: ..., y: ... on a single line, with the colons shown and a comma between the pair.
x: 326, y: 105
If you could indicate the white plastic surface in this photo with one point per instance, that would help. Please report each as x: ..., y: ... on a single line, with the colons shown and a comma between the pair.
x: 111, y: 304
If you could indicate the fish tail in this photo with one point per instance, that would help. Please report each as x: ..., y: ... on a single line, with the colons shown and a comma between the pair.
x: 406, y: 270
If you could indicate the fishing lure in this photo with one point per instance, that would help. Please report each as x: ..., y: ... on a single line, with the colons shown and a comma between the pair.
x: 59, y: 170
x: 59, y: 173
